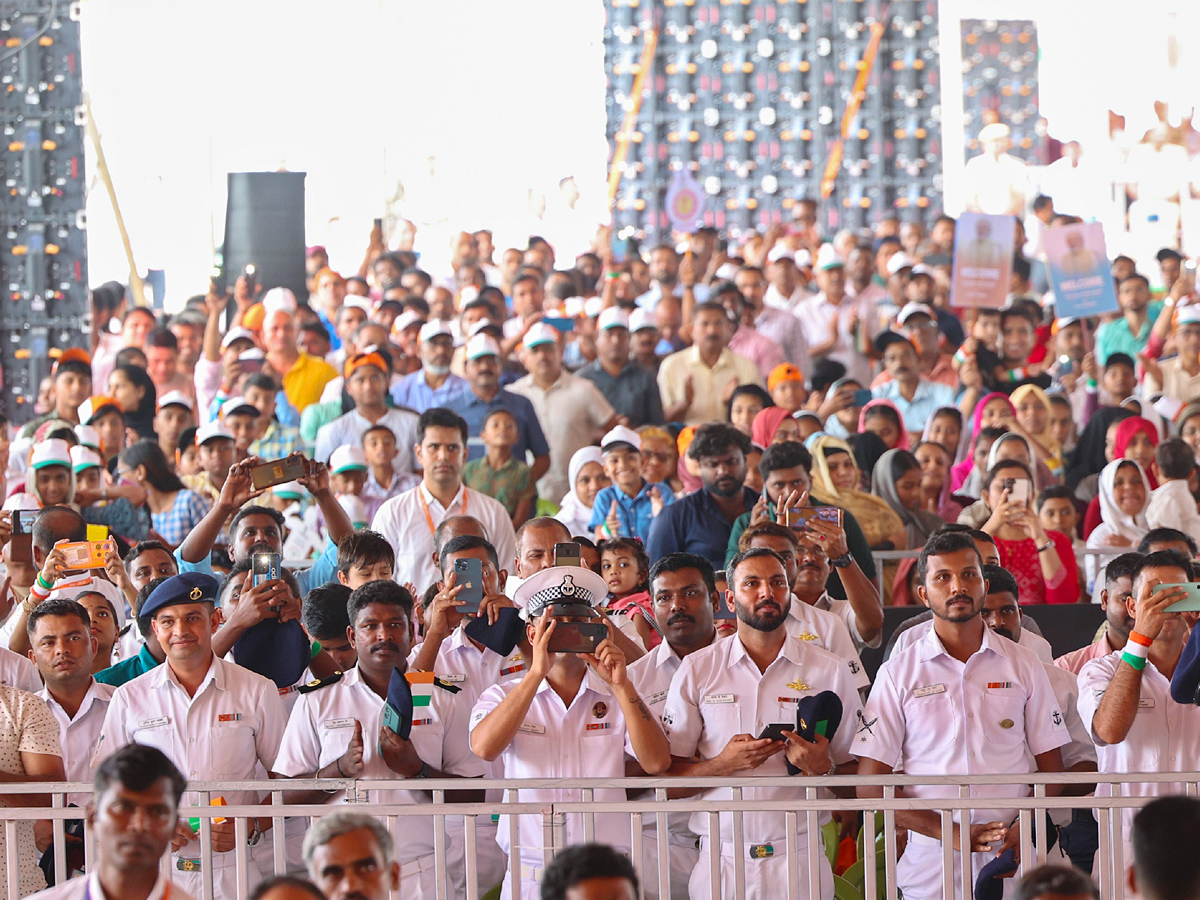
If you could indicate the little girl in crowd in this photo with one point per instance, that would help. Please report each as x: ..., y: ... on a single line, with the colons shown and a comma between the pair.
x: 625, y: 568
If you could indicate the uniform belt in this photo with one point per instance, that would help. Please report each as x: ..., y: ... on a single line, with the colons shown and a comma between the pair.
x: 757, y: 850
x: 531, y: 873
x: 420, y: 864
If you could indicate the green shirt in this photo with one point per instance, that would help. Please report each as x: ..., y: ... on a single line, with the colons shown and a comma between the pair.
x: 508, y: 485
x: 128, y: 669
x: 1115, y: 336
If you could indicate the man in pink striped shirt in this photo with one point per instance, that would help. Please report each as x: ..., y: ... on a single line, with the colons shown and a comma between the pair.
x: 1118, y: 587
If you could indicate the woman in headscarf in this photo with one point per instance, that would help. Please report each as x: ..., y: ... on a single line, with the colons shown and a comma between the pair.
x: 1132, y: 438
x: 1084, y: 465
x: 897, y: 479
x: 935, y: 481
x: 867, y: 448
x: 1124, y: 496
x: 774, y: 425
x: 885, y: 419
x: 993, y: 410
x: 585, y: 474
x: 1033, y: 414
x: 945, y: 427
x: 835, y: 480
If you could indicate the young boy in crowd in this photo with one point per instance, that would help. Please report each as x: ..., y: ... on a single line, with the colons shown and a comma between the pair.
x: 627, y: 507
x: 1057, y: 511
x: 241, y: 418
x: 498, y: 474
x: 384, y: 481
x: 174, y: 415
x: 364, y: 556
x: 785, y: 384
x: 1171, y: 503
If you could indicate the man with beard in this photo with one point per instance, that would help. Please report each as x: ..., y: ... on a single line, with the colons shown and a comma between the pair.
x: 700, y: 523
x: 1114, y: 596
x: 132, y: 816
x: 340, y: 720
x: 724, y: 695
x: 433, y: 384
x: 959, y: 701
x: 1132, y: 687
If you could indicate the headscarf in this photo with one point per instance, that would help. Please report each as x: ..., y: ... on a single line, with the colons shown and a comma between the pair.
x: 1088, y: 457
x: 766, y: 423
x: 1127, y: 429
x: 868, y: 448
x: 876, y: 518
x: 1133, y: 527
x: 994, y: 456
x: 1045, y: 437
x: 572, y: 510
x: 903, y: 442
x: 1188, y: 412
x: 962, y: 469
x: 918, y: 524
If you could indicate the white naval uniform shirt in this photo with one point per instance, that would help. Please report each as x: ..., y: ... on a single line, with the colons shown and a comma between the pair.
x: 1029, y: 639
x: 719, y: 692
x: 17, y: 671
x: 587, y: 739
x: 828, y: 632
x: 87, y: 887
x: 988, y: 716
x: 80, y: 735
x: 228, y: 731
x: 402, y: 521
x: 1164, y: 737
x: 844, y: 611
x: 322, y: 723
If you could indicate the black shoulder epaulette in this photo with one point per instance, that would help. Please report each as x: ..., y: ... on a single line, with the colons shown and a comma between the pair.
x: 446, y: 685
x: 319, y: 683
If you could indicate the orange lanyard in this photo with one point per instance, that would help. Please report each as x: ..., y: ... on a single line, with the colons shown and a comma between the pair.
x: 425, y: 507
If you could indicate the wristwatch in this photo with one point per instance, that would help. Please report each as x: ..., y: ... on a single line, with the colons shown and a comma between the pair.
x: 255, y: 834
x: 842, y: 561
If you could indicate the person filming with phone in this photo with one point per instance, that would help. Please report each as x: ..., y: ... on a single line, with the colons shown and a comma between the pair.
x: 574, y: 713
x: 1043, y: 562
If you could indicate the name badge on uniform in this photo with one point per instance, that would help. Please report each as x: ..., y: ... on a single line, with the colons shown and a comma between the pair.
x: 1146, y: 703
x: 929, y: 690
x: 719, y: 698
x: 154, y: 723
x: 656, y: 698
x: 340, y: 723
x: 530, y: 728
x: 454, y: 678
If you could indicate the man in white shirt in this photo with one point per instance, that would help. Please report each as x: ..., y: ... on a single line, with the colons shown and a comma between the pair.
x: 132, y: 815
x: 831, y: 318
x: 684, y: 592
x: 64, y: 650
x: 726, y: 694
x: 787, y: 288
x: 960, y: 701
x: 571, y: 715
x: 997, y: 182
x: 367, y: 385
x: 571, y: 410
x: 1125, y: 697
x: 214, y: 719
x: 408, y: 521
x: 336, y: 729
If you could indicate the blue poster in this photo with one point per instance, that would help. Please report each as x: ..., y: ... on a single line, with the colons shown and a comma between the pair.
x: 1080, y: 273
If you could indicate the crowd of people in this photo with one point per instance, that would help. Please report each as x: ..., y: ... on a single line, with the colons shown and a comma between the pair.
x: 550, y: 518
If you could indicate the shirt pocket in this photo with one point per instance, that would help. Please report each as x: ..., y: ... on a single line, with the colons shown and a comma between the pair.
x: 933, y: 724
x: 1003, y: 714
x: 721, y: 720
x: 161, y: 737
x: 233, y: 751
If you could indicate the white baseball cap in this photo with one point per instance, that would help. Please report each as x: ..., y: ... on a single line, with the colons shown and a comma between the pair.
x: 88, y: 436
x: 829, y: 258
x: 355, y: 301
x: 899, y: 260
x: 407, y: 319
x: 640, y: 320
x: 84, y: 458
x: 803, y: 259
x: 347, y: 457
x: 211, y: 430
x: 434, y: 328
x: 1187, y: 315
x: 921, y: 269
x: 573, y: 307
x: 613, y: 317
x: 482, y: 345
x: 540, y: 333
x: 621, y: 435
x: 237, y: 333
x: 21, y: 500
x: 54, y: 452
x: 176, y: 398
x: 915, y: 309
x: 278, y: 298
x: 780, y: 251
x: 355, y: 509
x: 593, y: 306
x: 239, y: 404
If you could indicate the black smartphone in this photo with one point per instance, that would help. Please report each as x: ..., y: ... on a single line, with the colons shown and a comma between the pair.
x: 22, y: 535
x: 862, y: 397
x: 567, y: 554
x: 251, y: 275
x: 264, y: 567
x: 577, y: 637
x: 468, y: 573
x: 774, y: 731
x: 279, y: 471
x: 378, y: 223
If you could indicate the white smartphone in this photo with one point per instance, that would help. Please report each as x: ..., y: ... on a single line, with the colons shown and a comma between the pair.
x: 1018, y: 489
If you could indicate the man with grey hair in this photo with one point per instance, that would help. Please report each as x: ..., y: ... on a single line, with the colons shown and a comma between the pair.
x: 350, y: 854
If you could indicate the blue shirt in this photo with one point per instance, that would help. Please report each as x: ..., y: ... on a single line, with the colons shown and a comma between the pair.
x: 919, y: 410
x: 649, y: 300
x: 634, y: 513
x: 414, y: 392
x: 335, y: 342
x: 693, y: 524
x: 322, y: 571
x: 1115, y: 336
x: 474, y: 410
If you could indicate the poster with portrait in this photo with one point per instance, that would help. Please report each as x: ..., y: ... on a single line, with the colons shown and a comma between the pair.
x: 983, y: 252
x: 1080, y: 273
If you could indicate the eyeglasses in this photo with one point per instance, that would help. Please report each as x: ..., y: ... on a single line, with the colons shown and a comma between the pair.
x: 661, y: 456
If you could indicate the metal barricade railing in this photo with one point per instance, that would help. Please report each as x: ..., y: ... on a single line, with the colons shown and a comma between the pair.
x: 813, y: 800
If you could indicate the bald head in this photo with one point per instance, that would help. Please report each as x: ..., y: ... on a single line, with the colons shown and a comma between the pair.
x: 535, y: 544
x: 53, y: 524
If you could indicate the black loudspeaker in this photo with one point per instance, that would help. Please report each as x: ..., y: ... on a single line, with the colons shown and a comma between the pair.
x: 264, y: 226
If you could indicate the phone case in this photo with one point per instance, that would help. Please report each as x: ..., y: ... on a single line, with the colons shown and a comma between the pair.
x: 1191, y: 604
x: 577, y: 637
x: 280, y: 471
